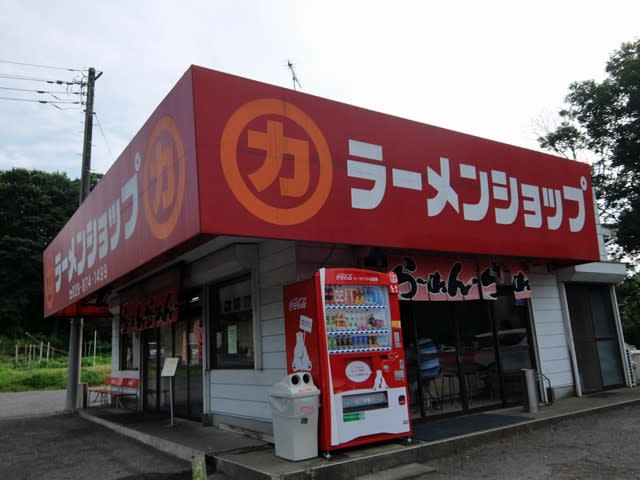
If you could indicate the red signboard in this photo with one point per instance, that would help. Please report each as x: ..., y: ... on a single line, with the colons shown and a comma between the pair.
x: 145, y: 204
x: 435, y: 279
x: 290, y: 165
x: 85, y: 311
x: 153, y: 311
x: 224, y: 155
x: 447, y: 279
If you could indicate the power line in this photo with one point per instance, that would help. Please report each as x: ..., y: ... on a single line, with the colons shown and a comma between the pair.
x: 37, y: 79
x: 40, y: 91
x: 103, y: 136
x: 42, y: 66
x: 59, y: 102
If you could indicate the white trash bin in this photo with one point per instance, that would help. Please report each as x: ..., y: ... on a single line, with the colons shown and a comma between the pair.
x: 294, y: 407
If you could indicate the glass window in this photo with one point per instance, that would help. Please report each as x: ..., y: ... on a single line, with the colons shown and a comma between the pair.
x: 129, y: 351
x: 232, y: 324
x: 609, y: 355
x: 601, y: 311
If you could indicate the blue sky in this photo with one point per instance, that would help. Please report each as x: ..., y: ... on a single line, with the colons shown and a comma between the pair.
x: 496, y: 69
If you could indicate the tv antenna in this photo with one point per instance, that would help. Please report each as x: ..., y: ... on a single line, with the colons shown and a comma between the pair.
x: 294, y: 77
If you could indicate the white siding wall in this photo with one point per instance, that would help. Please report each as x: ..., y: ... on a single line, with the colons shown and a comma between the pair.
x: 550, y: 332
x: 245, y: 393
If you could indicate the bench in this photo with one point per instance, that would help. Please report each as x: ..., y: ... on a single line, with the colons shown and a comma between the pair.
x: 114, y: 390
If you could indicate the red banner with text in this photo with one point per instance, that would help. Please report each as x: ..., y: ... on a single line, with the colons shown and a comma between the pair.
x: 152, y: 311
x: 445, y: 279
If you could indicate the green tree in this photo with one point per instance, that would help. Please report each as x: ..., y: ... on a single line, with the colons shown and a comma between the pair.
x: 603, y: 118
x: 34, y: 206
x: 628, y: 294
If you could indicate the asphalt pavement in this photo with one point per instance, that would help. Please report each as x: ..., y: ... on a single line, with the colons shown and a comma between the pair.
x: 601, y: 446
x: 38, y: 441
x: 68, y: 447
x: 20, y: 404
x: 593, y: 437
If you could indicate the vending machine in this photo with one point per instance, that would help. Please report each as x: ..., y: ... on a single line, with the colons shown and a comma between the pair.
x: 343, y: 325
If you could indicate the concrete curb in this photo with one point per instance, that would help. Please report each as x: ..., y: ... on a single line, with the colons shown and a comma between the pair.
x: 181, y: 452
x: 232, y: 465
x: 424, y: 451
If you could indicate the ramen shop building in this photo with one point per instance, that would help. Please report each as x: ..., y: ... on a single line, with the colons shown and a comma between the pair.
x: 233, y: 189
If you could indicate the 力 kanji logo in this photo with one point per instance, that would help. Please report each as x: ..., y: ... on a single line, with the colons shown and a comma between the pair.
x: 272, y: 139
x: 163, y: 178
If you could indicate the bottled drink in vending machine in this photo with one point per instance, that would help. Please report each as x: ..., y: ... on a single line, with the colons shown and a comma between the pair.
x: 338, y: 295
x: 369, y: 295
x: 328, y: 295
x: 349, y: 295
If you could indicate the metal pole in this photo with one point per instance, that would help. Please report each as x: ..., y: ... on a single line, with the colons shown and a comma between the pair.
x: 75, y: 340
x: 75, y: 333
x: 530, y: 390
x: 170, y: 398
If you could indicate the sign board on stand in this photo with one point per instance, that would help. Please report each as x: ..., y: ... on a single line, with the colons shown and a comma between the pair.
x: 169, y: 370
x: 170, y: 366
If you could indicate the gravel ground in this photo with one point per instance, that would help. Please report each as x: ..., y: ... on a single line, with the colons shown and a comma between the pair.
x: 69, y: 447
x: 604, y: 445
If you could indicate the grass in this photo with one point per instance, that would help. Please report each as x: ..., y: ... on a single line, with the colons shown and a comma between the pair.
x: 53, y: 377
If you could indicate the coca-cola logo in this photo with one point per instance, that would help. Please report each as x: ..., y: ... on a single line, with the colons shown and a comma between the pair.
x: 341, y: 277
x: 297, y: 303
x: 350, y: 277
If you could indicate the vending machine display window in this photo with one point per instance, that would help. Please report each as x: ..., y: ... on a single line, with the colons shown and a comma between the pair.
x: 356, y: 319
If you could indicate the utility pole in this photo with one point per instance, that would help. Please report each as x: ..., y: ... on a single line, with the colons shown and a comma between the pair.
x: 88, y: 133
x: 75, y: 332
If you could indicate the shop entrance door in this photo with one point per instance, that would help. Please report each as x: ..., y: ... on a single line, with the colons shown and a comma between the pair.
x: 188, y: 379
x: 451, y: 359
x: 156, y: 346
x: 594, y: 337
x: 465, y: 355
x: 182, y: 339
x: 512, y: 338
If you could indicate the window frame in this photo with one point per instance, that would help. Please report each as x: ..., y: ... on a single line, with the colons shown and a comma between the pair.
x: 217, y: 323
x: 128, y: 342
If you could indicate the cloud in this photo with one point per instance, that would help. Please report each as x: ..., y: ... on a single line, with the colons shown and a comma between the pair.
x: 480, y: 68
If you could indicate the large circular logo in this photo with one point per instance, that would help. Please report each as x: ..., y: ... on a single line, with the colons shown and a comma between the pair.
x: 276, y: 145
x: 163, y: 178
